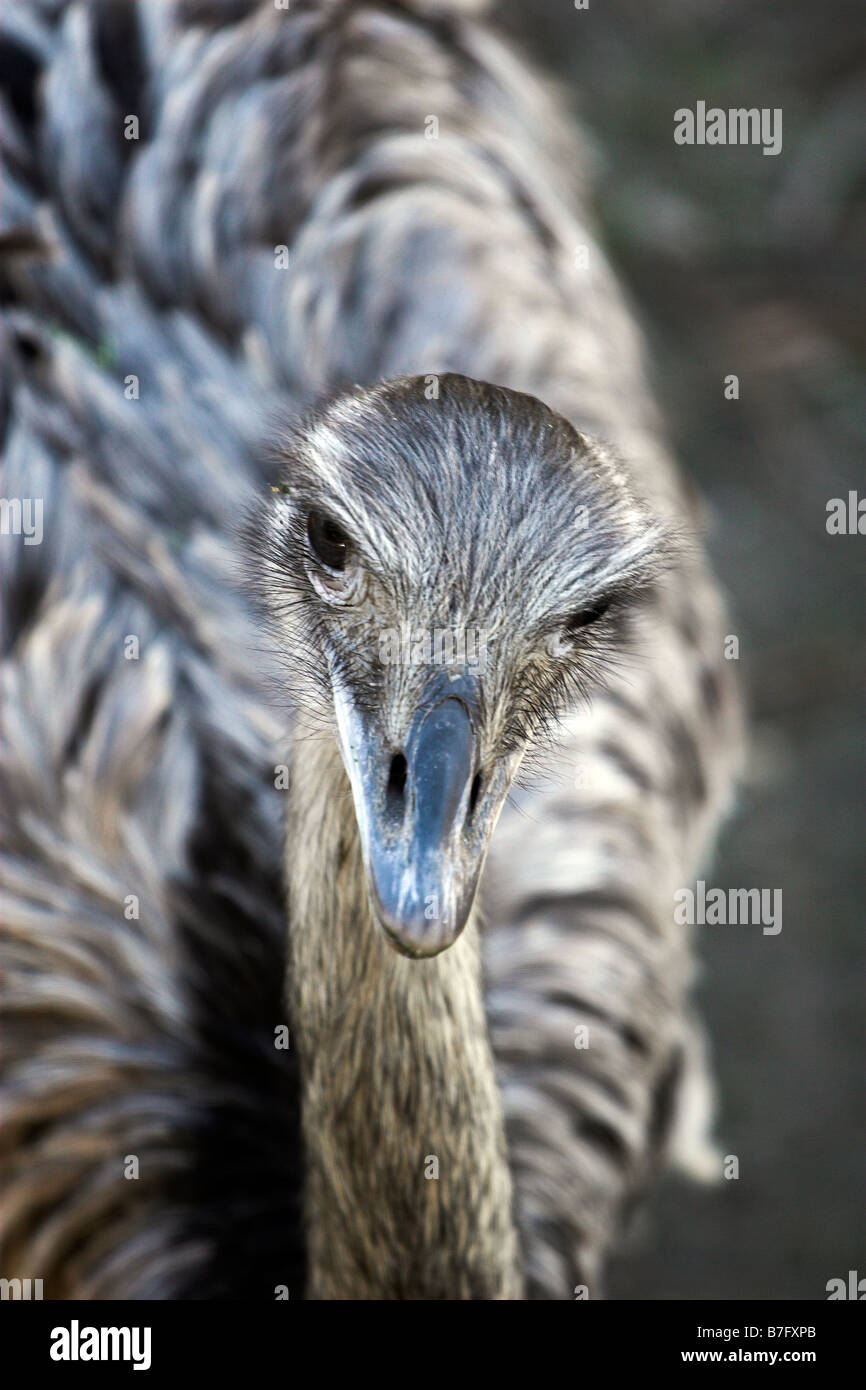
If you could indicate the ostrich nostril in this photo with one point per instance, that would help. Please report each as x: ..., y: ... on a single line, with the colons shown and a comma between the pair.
x: 396, y: 788
x: 474, y: 793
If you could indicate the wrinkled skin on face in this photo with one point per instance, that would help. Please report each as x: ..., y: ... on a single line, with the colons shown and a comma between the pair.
x: 448, y: 568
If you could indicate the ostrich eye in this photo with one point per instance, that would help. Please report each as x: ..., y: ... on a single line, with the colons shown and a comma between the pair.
x: 328, y: 541
x: 586, y: 616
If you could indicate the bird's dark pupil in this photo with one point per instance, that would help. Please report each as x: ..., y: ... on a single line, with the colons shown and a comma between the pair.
x: 328, y: 540
x: 587, y: 616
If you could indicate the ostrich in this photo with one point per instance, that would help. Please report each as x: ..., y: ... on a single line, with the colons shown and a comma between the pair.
x: 361, y: 218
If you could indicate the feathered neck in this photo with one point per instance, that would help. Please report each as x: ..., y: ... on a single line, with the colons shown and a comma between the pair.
x: 408, y: 1187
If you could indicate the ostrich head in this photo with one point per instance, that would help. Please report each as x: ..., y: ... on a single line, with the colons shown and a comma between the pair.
x: 448, y: 564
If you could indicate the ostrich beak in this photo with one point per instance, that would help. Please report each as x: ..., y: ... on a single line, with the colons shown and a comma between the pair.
x: 424, y: 817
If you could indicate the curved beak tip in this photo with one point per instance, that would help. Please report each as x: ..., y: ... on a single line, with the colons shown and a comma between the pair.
x: 417, y: 948
x: 417, y: 935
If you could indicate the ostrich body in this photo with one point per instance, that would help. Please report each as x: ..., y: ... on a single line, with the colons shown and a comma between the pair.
x: 145, y: 931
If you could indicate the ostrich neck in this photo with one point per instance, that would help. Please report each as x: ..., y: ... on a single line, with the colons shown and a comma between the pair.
x: 408, y: 1186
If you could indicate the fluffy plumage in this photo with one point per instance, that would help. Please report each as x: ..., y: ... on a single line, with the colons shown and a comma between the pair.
x: 153, y: 778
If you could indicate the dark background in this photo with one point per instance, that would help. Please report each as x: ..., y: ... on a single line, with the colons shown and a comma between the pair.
x: 752, y: 264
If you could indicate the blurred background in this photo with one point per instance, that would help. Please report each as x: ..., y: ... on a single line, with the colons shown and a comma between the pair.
x: 756, y: 265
